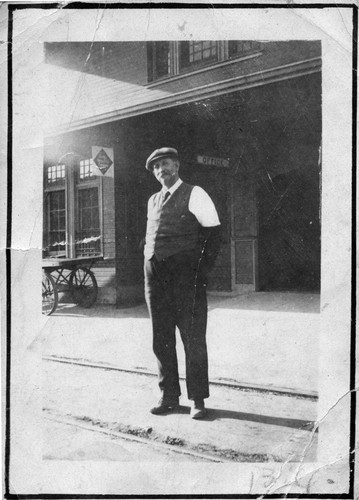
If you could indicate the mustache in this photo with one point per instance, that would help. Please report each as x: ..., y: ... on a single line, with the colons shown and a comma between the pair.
x: 166, y: 172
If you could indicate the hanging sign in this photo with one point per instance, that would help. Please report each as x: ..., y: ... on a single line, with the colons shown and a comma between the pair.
x: 213, y: 162
x: 103, y: 159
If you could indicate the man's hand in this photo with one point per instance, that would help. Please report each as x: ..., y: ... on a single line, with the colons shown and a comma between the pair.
x: 210, y: 246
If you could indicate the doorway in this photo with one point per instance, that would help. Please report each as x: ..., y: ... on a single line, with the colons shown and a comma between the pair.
x: 289, y: 232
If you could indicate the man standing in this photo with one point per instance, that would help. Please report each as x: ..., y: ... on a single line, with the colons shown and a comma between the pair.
x: 182, y: 243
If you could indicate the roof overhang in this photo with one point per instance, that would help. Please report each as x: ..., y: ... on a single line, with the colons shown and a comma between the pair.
x: 260, y: 78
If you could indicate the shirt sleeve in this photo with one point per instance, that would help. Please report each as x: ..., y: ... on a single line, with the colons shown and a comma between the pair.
x: 149, y: 203
x: 202, y: 207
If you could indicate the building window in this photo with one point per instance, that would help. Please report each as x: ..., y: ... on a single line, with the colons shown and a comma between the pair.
x: 168, y: 59
x: 197, y: 53
x: 159, y: 61
x: 237, y: 48
x: 56, y: 174
x: 86, y: 170
x: 88, y: 234
x: 72, y: 209
x: 56, y: 214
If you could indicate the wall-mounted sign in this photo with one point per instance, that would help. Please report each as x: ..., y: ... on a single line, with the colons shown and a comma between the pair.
x: 103, y: 159
x: 213, y: 162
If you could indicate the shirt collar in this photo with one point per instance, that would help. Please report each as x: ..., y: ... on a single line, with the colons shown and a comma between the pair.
x: 173, y: 188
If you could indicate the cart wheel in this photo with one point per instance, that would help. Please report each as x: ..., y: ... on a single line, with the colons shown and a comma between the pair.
x: 83, y: 287
x: 50, y: 296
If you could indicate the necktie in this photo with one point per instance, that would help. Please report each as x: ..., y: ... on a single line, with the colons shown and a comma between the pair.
x: 167, y: 195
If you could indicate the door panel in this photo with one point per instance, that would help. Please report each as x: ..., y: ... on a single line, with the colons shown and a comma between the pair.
x: 244, y: 234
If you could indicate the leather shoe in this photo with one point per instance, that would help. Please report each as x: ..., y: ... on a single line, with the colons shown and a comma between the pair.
x: 198, y: 409
x: 165, y: 405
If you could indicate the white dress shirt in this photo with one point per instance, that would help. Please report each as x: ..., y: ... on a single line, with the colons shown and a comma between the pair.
x: 200, y: 205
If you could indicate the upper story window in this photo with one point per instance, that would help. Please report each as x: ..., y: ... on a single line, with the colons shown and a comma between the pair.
x: 237, y: 48
x: 159, y: 61
x: 171, y: 58
x: 195, y: 53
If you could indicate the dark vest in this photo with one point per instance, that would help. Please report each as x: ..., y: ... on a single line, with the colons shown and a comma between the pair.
x: 171, y: 227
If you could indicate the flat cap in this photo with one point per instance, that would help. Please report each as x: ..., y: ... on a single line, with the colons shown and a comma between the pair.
x: 161, y: 153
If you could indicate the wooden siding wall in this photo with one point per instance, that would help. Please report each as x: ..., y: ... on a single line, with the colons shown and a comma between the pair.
x: 105, y: 272
x: 219, y: 279
x: 108, y: 197
x: 106, y: 279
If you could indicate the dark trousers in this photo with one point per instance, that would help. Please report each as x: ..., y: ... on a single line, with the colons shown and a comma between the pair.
x: 176, y: 296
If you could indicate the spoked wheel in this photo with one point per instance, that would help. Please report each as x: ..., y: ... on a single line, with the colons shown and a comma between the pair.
x: 50, y: 296
x: 84, y: 287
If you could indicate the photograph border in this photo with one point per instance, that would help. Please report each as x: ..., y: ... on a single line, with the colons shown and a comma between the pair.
x: 79, y: 5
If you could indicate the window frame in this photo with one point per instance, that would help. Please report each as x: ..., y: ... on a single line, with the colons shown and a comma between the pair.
x: 192, y: 66
x: 245, y: 53
x: 175, y: 71
x: 89, y: 184
x: 49, y: 191
x: 71, y: 187
x: 62, y: 180
x: 152, y: 75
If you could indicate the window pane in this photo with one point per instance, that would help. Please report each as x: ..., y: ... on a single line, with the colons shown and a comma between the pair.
x: 237, y: 48
x: 85, y: 170
x: 56, y: 174
x: 88, y: 235
x: 56, y: 236
x: 158, y: 60
x: 184, y: 53
x: 62, y: 222
x: 95, y: 219
x: 162, y: 58
x: 85, y: 218
x: 193, y: 53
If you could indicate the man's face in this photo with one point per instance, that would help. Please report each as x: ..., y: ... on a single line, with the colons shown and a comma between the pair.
x: 166, y: 171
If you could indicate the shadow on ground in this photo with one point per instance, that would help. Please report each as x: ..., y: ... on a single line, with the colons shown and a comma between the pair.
x: 220, y: 414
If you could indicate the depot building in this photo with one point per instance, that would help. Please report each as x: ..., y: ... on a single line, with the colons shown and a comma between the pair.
x: 245, y: 118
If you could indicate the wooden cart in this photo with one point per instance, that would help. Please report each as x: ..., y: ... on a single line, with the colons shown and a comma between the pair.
x: 74, y: 275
